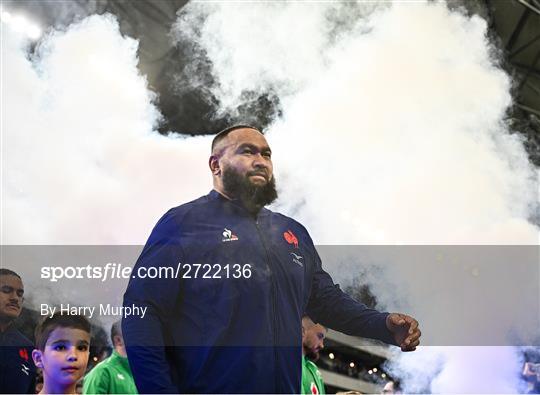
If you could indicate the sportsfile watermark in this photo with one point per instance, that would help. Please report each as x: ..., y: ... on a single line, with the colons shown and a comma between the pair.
x: 462, y: 295
x: 117, y: 271
x: 110, y: 271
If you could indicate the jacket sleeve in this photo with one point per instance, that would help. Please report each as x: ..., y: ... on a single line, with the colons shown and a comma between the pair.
x: 333, y: 308
x: 145, y: 338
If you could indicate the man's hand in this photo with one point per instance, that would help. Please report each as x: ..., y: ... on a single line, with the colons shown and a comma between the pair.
x: 405, y: 331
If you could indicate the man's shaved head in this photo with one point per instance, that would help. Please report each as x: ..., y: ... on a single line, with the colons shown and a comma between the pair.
x: 218, y: 138
x: 313, y: 336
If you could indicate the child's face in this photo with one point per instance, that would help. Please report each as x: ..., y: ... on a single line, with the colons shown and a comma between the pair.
x: 66, y: 355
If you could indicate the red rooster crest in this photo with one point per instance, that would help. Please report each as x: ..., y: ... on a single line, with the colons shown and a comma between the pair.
x: 290, y: 238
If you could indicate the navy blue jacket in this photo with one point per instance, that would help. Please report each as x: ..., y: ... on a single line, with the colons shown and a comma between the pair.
x: 232, y: 335
x: 17, y: 370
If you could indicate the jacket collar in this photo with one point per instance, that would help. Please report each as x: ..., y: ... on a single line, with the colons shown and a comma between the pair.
x: 215, y: 195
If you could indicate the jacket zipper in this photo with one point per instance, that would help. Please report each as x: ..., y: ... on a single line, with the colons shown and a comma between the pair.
x: 273, y: 292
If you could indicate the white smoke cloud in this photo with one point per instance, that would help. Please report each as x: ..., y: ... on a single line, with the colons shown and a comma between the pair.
x: 415, y: 149
x: 407, y: 103
x: 393, y: 133
x: 275, y: 47
x: 81, y: 160
x: 481, y: 374
x: 477, y: 370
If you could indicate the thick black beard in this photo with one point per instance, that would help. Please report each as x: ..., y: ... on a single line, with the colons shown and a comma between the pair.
x: 240, y: 187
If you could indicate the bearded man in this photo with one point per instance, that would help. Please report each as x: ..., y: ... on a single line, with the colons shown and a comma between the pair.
x: 17, y: 370
x: 231, y: 321
x: 313, y: 336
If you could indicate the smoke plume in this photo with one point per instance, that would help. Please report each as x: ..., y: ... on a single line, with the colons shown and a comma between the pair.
x: 393, y: 132
x: 81, y: 160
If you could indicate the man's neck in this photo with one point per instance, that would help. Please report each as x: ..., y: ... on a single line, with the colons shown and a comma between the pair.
x: 252, y: 208
x: 121, y: 351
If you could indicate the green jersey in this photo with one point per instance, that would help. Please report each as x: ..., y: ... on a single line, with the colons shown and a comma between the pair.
x: 111, y: 376
x: 312, y: 382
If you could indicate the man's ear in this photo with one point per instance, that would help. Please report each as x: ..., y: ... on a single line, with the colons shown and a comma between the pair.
x: 213, y: 163
x: 37, y: 356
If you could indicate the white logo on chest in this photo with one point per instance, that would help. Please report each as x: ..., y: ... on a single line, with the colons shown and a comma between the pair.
x: 297, y: 259
x: 228, y: 235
